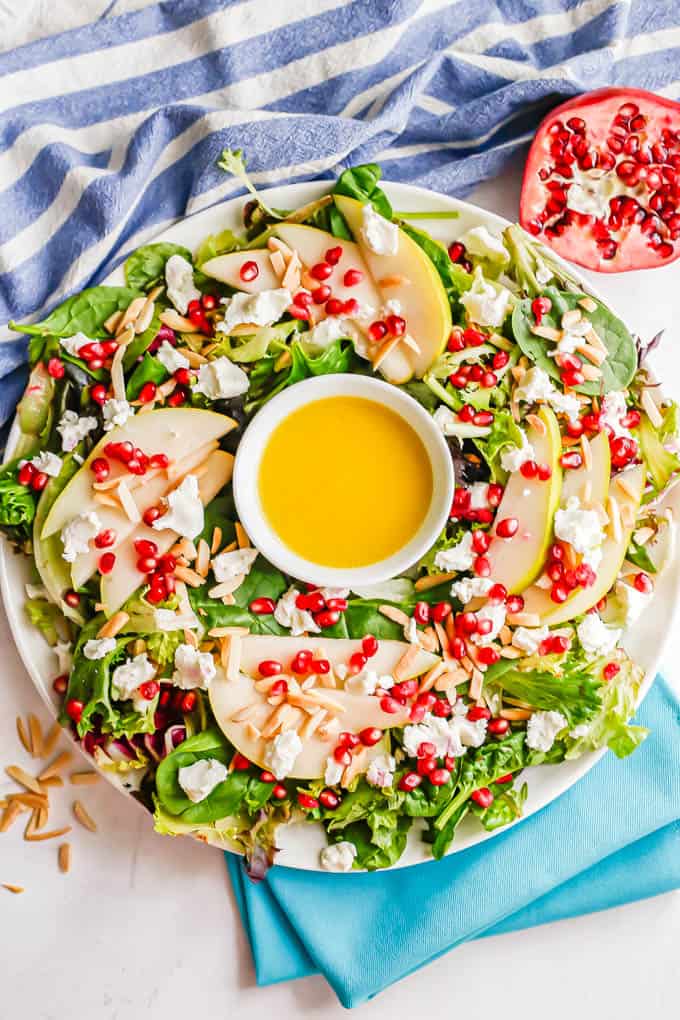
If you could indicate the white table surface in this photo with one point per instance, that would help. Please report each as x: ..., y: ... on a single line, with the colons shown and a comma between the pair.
x: 145, y: 926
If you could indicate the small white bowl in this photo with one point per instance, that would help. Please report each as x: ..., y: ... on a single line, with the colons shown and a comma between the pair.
x: 247, y: 469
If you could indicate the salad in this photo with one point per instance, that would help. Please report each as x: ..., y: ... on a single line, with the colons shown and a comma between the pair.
x: 231, y: 699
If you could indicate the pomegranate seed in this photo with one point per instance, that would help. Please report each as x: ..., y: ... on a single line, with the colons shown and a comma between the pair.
x: 279, y: 792
x: 484, y: 627
x: 440, y: 777
x: 320, y: 666
x: 269, y: 667
x: 483, y: 418
x: 267, y: 777
x: 262, y: 607
x: 440, y: 611
x: 389, y: 704
x: 279, y: 688
x: 321, y: 271
x: 302, y: 299
x: 555, y: 570
x: 396, y: 325
x: 426, y: 750
x: 327, y: 618
x: 610, y: 671
x: 299, y: 312
x: 498, y: 727
x: 473, y: 338
x: 507, y: 528
x: 74, y: 709
x: 178, y: 397
x: 150, y: 515
x: 405, y: 689
x: 559, y: 593
x: 421, y: 613
x: 544, y: 472
x: 155, y: 595
x: 458, y: 380
x: 334, y: 306
x: 468, y: 622
x: 442, y: 708
x: 333, y: 255
x: 209, y: 302
x: 572, y: 460
x: 476, y: 712
x: 540, y: 306
x: 60, y: 684
x: 409, y: 781
x: 623, y: 451
x: 105, y: 538
x: 321, y: 294
x: 481, y: 540
x: 342, y: 755
x: 350, y: 307
x: 183, y: 376
x: 329, y: 799
x: 456, y: 251
x: 560, y: 645
x: 72, y: 599
x: 377, y: 331
x: 370, y: 736
x: 497, y: 593
x: 425, y: 765
x: 339, y: 604
x: 39, y: 480
x: 147, y: 392
x: 643, y: 583
x: 357, y: 661
x: 25, y: 474
x: 306, y: 802
x: 494, y: 494
x: 500, y: 360
x: 301, y: 663
x: 55, y: 368
x: 149, y: 689
x: 145, y: 548
x: 482, y: 567
x: 352, y: 277
x: 458, y: 649
x: 455, y: 341
x: 474, y: 372
x: 482, y: 797
x: 369, y: 646
x: 488, y: 655
x: 529, y: 469
x: 106, y: 563
x: 249, y: 271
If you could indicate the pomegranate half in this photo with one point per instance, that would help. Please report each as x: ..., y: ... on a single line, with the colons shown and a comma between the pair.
x: 602, y: 181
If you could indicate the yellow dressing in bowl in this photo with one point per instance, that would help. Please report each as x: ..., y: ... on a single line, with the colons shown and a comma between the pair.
x: 345, y: 481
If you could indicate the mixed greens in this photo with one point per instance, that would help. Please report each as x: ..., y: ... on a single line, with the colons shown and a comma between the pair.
x: 230, y: 698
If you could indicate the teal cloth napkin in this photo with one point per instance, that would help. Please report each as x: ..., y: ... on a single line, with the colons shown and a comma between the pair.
x: 612, y: 838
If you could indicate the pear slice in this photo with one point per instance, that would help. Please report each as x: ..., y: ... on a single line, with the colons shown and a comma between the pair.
x: 175, y: 431
x: 538, y: 601
x: 227, y: 269
x: 411, y: 278
x: 517, y: 561
x: 355, y: 712
x: 124, y: 579
x: 256, y: 648
x: 593, y: 479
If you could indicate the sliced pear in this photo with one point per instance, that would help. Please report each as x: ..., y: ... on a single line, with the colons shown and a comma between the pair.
x: 517, y: 561
x: 174, y: 431
x: 255, y: 648
x: 538, y: 601
x: 229, y: 697
x: 593, y: 479
x: 124, y: 579
x: 227, y: 269
x: 422, y: 296
x: 54, y: 571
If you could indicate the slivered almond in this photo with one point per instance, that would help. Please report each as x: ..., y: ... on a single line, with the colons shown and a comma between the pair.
x: 467, y: 664
x: 312, y: 723
x: 185, y: 548
x: 544, y: 582
x: 443, y: 637
x: 595, y: 340
x: 180, y: 469
x: 171, y: 318
x: 290, y: 718
x: 587, y: 491
x: 219, y: 632
x: 84, y: 778
x: 113, y: 625
x: 357, y: 765
x: 226, y: 587
x: 547, y: 332
x: 30, y: 800
x: 570, y: 318
x: 216, y: 539
x: 505, y: 635
x: 451, y: 678
x: 537, y: 424
x: 64, y: 857
x: 104, y: 499
x: 130, y: 314
x: 23, y: 735
x: 431, y: 676
x: 189, y: 576
x: 230, y: 548
x: 650, y: 408
x: 614, y: 518
x: 385, y: 348
x: 508, y: 652
x: 43, y: 815
x: 83, y: 817
x: 35, y: 731
x: 272, y: 724
x: 432, y: 580
x: 627, y: 515
x: 38, y: 837
x: 113, y: 322
x: 143, y: 320
x: 591, y: 372
x: 331, y: 706
x: 329, y: 730
x: 328, y: 680
x: 228, y: 600
x: 427, y: 639
x: 117, y: 376
x: 518, y: 372
x: 10, y: 815
x: 16, y: 889
x: 587, y: 452
x: 476, y: 684
x: 138, y: 646
x: 588, y: 304
x: 195, y: 360
x: 394, y: 280
x: 245, y: 713
x: 593, y: 354
x: 106, y: 486
x: 55, y: 767
x: 291, y: 277
x: 53, y: 781
x: 405, y: 662
x: 230, y: 656
x: 394, y: 614
x: 643, y: 535
x: 252, y: 731
x: 515, y: 714
x: 524, y: 619
x: 276, y: 244
x: 203, y: 558
x: 278, y: 263
x: 127, y: 502
x: 450, y: 627
x: 22, y: 777
x: 408, y: 341
x: 241, y: 536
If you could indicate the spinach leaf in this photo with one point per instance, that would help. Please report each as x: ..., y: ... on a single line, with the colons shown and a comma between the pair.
x: 85, y: 312
x: 329, y: 218
x: 506, y: 806
x: 149, y: 369
x: 361, y: 182
x: 337, y: 357
x: 145, y: 267
x: 621, y: 363
x: 638, y: 555
x: 263, y: 581
x: 141, y: 342
x: 363, y: 617
x: 224, y: 800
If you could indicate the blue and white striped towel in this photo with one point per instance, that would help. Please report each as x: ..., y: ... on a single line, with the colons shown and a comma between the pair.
x: 111, y: 131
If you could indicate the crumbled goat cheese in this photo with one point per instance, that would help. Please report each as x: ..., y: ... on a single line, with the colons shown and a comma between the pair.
x: 180, y: 286
x: 261, y: 309
x: 299, y: 621
x: 282, y: 753
x: 536, y: 387
x: 333, y: 593
x: 116, y: 413
x: 129, y: 677
x: 381, y: 771
x: 411, y: 632
x: 380, y: 235
x: 230, y: 565
x: 633, y: 602
x: 73, y: 428
x: 486, y: 304
x: 542, y: 728
x: 445, y: 419
x: 612, y: 410
x: 99, y: 648
x: 193, y: 669
x: 170, y: 358
x: 459, y: 557
x: 338, y: 856
x: 528, y: 639
x: 496, y: 614
x: 581, y: 529
x: 185, y: 510
x: 48, y: 463
x: 479, y: 492
x: 200, y: 779
x: 221, y: 379
x: 169, y: 619
x: 326, y: 332
x: 449, y: 736
x: 77, y: 534
x: 72, y: 344
x: 595, y: 637
x: 368, y: 682
x: 471, y: 588
x: 481, y: 243
x: 333, y: 772
x: 513, y: 457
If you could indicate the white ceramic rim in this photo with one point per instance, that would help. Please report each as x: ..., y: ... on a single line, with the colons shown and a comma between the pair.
x: 254, y: 442
x: 300, y: 843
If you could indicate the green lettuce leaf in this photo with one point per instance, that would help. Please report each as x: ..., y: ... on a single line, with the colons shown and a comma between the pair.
x: 145, y: 267
x: 17, y: 504
x: 610, y: 727
x: 661, y: 463
x: 48, y: 618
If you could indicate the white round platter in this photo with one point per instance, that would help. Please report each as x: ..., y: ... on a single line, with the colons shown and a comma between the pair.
x: 301, y: 842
